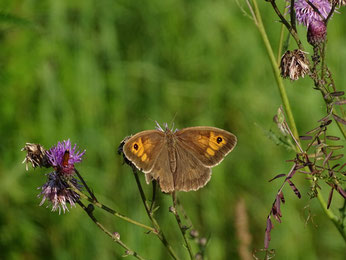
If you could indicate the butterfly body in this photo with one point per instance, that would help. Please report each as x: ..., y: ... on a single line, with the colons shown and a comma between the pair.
x: 179, y: 160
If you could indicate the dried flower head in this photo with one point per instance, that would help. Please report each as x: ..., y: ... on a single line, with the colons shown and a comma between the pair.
x: 305, y: 13
x: 36, y: 155
x: 63, y: 157
x: 338, y: 2
x: 57, y: 191
x: 294, y: 64
x: 317, y: 33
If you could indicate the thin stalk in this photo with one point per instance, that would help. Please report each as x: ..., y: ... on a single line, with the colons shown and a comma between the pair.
x: 85, y: 185
x: 289, y: 27
x: 341, y: 128
x: 153, y: 196
x: 281, y: 40
x: 158, y: 230
x: 116, y: 238
x: 181, y: 227
x: 109, y: 210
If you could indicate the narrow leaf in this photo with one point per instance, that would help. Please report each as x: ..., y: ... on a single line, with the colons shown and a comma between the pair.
x: 336, y: 165
x: 334, y: 138
x: 337, y: 93
x: 294, y: 188
x: 313, y: 130
x: 281, y: 196
x: 335, y: 147
x: 330, y: 198
x: 336, y: 157
x: 340, y: 103
x: 267, y: 233
x: 305, y: 137
x: 277, y: 176
x: 341, y: 191
x: 339, y: 119
x: 277, y: 204
x: 327, y: 158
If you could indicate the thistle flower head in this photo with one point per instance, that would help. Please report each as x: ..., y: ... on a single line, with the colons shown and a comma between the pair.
x: 57, y: 191
x: 63, y: 157
x: 317, y: 33
x: 305, y: 13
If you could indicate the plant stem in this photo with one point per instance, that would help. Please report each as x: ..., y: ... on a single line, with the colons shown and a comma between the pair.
x: 113, y: 236
x: 181, y: 227
x: 332, y: 216
x: 281, y: 39
x: 290, y: 28
x: 113, y: 212
x: 85, y: 185
x: 158, y: 230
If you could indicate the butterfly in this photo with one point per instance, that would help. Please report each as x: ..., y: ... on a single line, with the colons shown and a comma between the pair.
x: 179, y: 160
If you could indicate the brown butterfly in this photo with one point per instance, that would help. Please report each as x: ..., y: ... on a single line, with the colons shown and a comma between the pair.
x: 179, y: 160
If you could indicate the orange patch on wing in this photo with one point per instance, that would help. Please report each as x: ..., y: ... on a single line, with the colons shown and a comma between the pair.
x: 213, y: 141
x: 210, y: 152
x: 203, y: 140
x: 137, y: 147
x: 144, y: 157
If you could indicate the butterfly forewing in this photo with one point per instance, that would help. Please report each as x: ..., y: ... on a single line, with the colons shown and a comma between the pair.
x: 208, y: 144
x: 143, y: 149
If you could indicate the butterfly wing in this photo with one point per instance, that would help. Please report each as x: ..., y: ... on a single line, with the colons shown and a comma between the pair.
x: 190, y: 174
x: 208, y: 144
x: 161, y: 172
x: 144, y: 148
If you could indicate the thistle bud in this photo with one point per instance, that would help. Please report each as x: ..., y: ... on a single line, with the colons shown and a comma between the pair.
x: 317, y: 32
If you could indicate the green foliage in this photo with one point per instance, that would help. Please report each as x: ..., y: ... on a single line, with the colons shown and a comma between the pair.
x: 97, y: 71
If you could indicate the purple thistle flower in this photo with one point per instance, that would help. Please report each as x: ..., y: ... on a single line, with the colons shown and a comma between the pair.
x: 57, y: 191
x: 305, y: 14
x: 63, y: 157
x: 317, y: 33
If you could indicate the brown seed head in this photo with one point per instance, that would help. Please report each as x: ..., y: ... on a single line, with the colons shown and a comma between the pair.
x: 294, y: 64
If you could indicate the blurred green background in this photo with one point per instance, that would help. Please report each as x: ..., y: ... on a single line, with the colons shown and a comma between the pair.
x: 97, y: 71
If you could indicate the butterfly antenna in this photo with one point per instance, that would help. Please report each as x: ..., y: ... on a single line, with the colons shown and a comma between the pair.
x: 158, y: 127
x: 172, y: 123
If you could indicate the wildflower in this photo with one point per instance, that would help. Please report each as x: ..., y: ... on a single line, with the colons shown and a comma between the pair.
x: 317, y: 33
x: 294, y: 64
x: 57, y: 191
x: 305, y: 14
x: 36, y: 155
x: 63, y: 157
